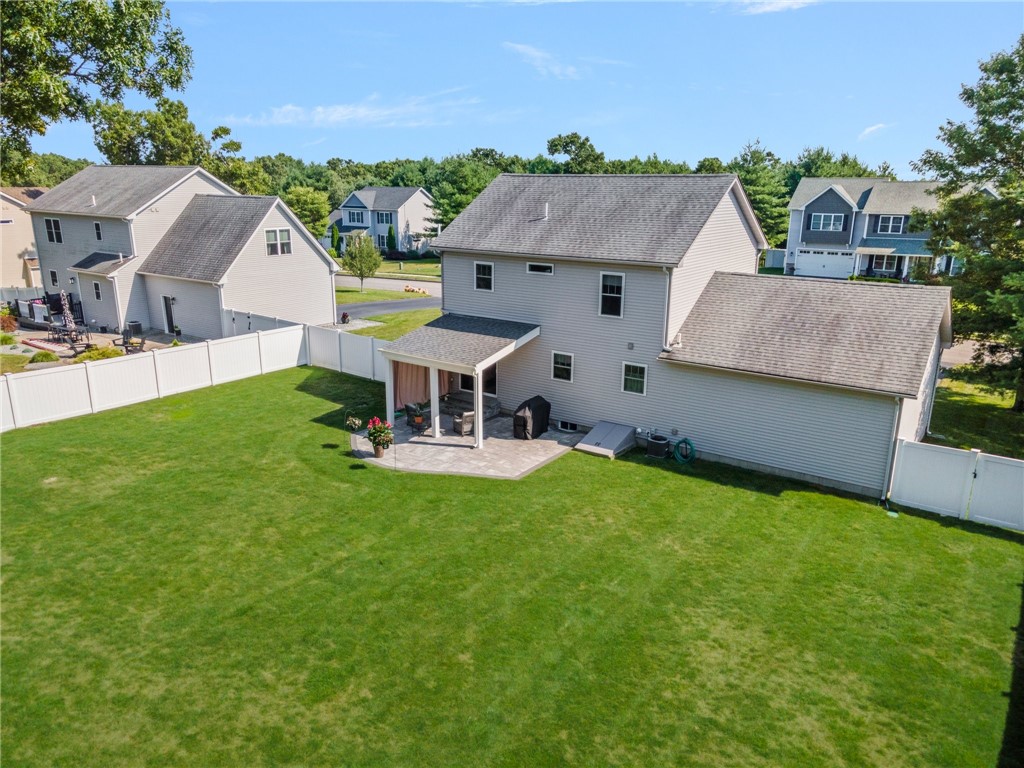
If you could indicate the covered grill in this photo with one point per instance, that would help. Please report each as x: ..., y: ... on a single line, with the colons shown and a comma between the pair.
x: 531, y: 418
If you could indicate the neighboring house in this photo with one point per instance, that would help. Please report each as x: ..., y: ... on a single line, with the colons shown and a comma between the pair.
x: 174, y: 246
x: 633, y: 299
x: 840, y: 227
x: 372, y: 210
x: 20, y: 264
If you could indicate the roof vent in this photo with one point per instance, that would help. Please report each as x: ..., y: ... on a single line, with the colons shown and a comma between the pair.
x: 545, y: 211
x: 93, y: 203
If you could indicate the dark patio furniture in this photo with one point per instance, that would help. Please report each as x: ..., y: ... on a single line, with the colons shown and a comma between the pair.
x: 417, y: 417
x: 128, y: 342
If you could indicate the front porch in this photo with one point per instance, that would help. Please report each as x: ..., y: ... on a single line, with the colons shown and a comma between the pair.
x: 452, y: 454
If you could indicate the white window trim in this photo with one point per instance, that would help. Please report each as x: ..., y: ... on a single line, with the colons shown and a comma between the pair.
x: 488, y: 264
x: 540, y: 264
x: 384, y: 217
x: 97, y: 229
x: 97, y: 294
x: 572, y: 366
x: 54, y: 282
x: 278, y: 241
x: 382, y: 241
x: 352, y: 217
x: 622, y: 378
x: 831, y: 219
x: 54, y: 231
x: 600, y: 295
x: 890, y: 224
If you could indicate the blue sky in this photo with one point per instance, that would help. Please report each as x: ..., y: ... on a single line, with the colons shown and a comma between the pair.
x: 374, y: 81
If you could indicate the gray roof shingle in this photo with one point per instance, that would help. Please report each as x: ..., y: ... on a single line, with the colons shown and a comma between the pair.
x: 206, y: 238
x: 385, y: 198
x: 102, y: 263
x: 459, y: 339
x: 647, y: 219
x: 872, y: 195
x: 867, y: 336
x: 120, y: 190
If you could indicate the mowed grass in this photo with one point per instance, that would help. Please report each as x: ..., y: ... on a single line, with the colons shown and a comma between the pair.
x: 210, y: 579
x: 398, y: 324
x: 13, y: 363
x: 355, y: 296
x: 413, y: 269
x: 966, y: 416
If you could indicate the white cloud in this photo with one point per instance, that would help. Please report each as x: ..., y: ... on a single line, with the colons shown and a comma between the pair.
x: 542, y: 61
x: 752, y: 7
x: 413, y: 111
x: 871, y: 130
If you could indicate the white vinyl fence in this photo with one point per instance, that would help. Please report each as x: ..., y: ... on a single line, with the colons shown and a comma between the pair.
x: 967, y: 484
x: 340, y: 351
x: 238, y: 323
x: 13, y: 293
x: 52, y: 394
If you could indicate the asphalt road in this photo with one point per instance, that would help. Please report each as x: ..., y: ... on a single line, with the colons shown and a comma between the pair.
x: 388, y: 307
x: 386, y: 284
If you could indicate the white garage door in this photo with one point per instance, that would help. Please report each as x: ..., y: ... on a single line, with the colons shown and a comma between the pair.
x: 824, y: 263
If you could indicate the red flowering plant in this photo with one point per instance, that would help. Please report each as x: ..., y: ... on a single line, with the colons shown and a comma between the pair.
x: 379, y: 432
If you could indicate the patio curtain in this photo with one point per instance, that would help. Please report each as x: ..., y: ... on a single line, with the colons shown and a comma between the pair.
x: 412, y: 384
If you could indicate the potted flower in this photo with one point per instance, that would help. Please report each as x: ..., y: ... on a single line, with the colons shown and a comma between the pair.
x: 380, y: 435
x: 345, y: 318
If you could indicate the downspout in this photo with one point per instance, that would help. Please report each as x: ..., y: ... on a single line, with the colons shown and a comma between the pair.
x: 117, y: 302
x: 891, y: 460
x: 220, y: 304
x: 668, y: 297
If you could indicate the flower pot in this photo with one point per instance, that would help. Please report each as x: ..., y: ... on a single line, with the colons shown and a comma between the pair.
x: 378, y: 451
x: 417, y: 419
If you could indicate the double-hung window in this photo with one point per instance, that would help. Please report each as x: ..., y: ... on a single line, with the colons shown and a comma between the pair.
x: 53, y: 233
x: 890, y: 225
x: 355, y: 217
x: 561, y: 366
x: 98, y: 229
x: 612, y: 285
x: 382, y: 241
x: 883, y: 263
x: 96, y: 291
x: 383, y: 217
x: 634, y: 378
x: 483, y: 273
x: 53, y: 278
x: 827, y: 222
x: 279, y: 242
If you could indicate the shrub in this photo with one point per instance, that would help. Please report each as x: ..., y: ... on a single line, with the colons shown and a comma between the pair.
x: 8, y: 323
x: 100, y: 353
x: 7, y: 339
x: 332, y: 253
x: 176, y: 343
x: 44, y: 356
x: 412, y: 253
x: 862, y: 278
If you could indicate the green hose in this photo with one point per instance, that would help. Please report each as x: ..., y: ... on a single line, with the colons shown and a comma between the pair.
x: 684, y: 452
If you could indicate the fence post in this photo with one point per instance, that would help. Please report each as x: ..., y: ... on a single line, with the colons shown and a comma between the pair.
x: 341, y: 352
x: 209, y: 362
x: 259, y: 348
x: 156, y: 374
x: 11, y: 400
x: 965, y: 497
x: 88, y: 384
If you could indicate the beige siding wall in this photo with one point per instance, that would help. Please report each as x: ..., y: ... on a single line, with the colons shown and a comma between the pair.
x: 79, y: 241
x: 18, y: 241
x: 916, y: 413
x: 153, y: 223
x: 726, y: 244
x: 297, y: 286
x: 196, y: 309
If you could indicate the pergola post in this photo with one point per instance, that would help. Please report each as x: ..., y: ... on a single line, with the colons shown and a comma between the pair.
x: 435, y: 405
x: 389, y: 391
x: 478, y: 407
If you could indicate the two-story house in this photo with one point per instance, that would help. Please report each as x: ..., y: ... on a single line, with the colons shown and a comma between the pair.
x: 20, y: 264
x: 174, y: 248
x: 858, y: 226
x: 372, y: 211
x: 634, y: 300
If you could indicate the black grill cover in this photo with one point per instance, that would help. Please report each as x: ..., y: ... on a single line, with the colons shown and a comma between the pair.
x: 531, y: 418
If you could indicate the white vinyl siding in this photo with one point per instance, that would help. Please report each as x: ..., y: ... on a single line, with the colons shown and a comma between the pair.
x: 152, y: 224
x: 916, y: 413
x: 132, y: 299
x: 97, y: 311
x: 79, y: 235
x: 196, y: 309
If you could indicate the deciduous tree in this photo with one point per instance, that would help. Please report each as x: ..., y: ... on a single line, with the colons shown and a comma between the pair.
x: 311, y: 206
x: 583, y: 156
x: 361, y: 258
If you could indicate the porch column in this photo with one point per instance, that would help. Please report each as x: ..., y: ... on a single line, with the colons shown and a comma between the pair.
x: 906, y: 266
x: 856, y: 263
x: 478, y: 407
x: 435, y: 405
x: 389, y: 391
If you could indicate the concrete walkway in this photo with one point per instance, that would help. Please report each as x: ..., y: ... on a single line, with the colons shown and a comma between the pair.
x: 387, y: 284
x: 388, y: 307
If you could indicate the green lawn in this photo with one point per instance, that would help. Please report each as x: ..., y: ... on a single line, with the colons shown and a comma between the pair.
x: 413, y: 269
x: 211, y: 580
x: 969, y: 417
x: 13, y: 363
x: 398, y: 324
x: 355, y: 296
x: 771, y: 271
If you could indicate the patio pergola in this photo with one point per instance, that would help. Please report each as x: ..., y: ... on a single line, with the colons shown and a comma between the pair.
x: 457, y: 343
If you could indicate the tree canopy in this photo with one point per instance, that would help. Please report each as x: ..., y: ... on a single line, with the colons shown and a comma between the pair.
x: 311, y: 206
x: 980, y: 194
x: 361, y: 258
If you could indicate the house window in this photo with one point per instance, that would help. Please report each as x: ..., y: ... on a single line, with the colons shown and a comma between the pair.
x: 99, y: 230
x: 827, y: 222
x: 484, y: 273
x: 561, y: 366
x: 355, y: 217
x: 634, y: 378
x: 53, y: 278
x: 96, y: 291
x: 611, y: 294
x: 53, y: 233
x: 383, y: 218
x: 883, y: 263
x: 279, y: 242
x: 382, y: 241
x: 890, y: 225
x: 540, y: 269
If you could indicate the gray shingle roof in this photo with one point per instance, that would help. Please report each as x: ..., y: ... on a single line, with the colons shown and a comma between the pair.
x: 459, y: 339
x: 869, y: 336
x: 385, y: 198
x: 650, y: 219
x: 120, y: 190
x: 870, y: 194
x: 100, y: 263
x: 206, y: 238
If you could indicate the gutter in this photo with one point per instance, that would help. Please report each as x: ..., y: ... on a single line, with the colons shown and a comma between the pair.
x: 668, y: 296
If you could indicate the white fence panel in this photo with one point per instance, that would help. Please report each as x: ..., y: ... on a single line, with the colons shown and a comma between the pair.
x: 51, y: 394
x: 283, y: 348
x: 933, y: 478
x: 998, y: 496
x: 357, y: 355
x: 237, y: 358
x: 182, y: 369
x: 324, y: 347
x: 242, y: 323
x: 380, y: 362
x: 122, y: 381
x: 13, y: 293
x: 6, y: 412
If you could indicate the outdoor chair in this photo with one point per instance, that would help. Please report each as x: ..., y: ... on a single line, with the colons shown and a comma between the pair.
x: 463, y: 422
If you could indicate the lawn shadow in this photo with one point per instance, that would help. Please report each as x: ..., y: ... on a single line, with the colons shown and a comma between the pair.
x: 969, y: 526
x: 1011, y: 754
x: 355, y: 396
